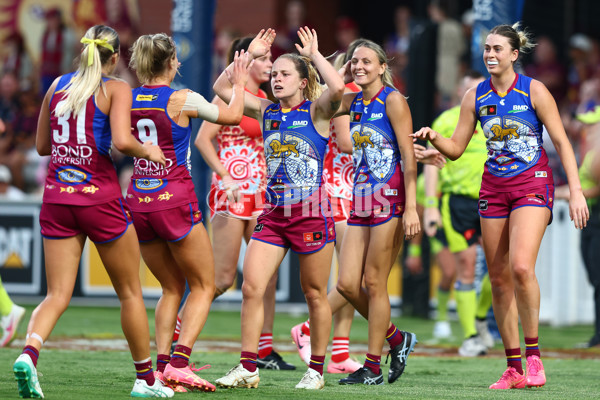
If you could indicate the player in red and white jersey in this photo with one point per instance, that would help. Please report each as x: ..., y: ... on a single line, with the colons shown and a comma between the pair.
x: 82, y: 113
x: 173, y: 242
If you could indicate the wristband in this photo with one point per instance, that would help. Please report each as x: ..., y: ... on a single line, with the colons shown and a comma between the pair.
x: 431, y: 202
x: 414, y: 250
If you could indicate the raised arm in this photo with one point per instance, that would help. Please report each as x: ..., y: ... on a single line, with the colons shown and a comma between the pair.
x: 546, y: 109
x: 456, y: 145
x: 348, y: 96
x: 197, y: 106
x: 223, y: 87
x: 399, y: 115
x: 329, y: 102
x: 341, y: 126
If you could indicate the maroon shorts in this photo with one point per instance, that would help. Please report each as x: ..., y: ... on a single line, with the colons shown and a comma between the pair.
x: 303, y: 233
x: 101, y: 222
x: 171, y: 225
x: 494, y: 204
x: 377, y: 216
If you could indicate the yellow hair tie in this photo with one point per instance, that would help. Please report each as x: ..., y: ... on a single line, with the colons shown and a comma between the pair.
x: 94, y: 43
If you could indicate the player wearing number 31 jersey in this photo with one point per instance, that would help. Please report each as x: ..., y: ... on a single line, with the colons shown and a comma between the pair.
x: 82, y: 116
x: 81, y: 171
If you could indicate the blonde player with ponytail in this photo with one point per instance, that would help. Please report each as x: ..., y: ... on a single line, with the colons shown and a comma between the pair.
x: 82, y: 115
x: 296, y: 214
x: 383, y: 206
x: 167, y: 218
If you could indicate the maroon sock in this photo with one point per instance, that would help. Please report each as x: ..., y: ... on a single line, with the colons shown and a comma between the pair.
x: 394, y: 336
x: 373, y: 362
x: 161, y: 362
x: 531, y: 347
x: 33, y: 353
x: 248, y: 360
x: 144, y: 371
x: 316, y: 363
x: 181, y: 356
x: 513, y: 359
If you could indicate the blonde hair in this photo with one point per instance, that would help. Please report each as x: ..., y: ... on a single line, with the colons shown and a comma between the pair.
x: 518, y: 39
x: 343, y: 58
x: 307, y: 71
x: 88, y: 78
x: 386, y: 78
x: 151, y: 54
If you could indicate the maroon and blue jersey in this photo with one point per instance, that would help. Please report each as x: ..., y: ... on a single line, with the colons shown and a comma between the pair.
x: 154, y: 187
x: 514, y: 137
x: 81, y: 170
x: 378, y: 177
x: 294, y: 152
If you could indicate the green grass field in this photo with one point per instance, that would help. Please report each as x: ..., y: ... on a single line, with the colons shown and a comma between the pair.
x: 432, y: 372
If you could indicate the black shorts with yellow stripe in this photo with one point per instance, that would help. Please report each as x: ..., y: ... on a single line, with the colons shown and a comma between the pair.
x: 460, y: 219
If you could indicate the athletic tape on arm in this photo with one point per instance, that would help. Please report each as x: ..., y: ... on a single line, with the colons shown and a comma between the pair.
x: 206, y: 111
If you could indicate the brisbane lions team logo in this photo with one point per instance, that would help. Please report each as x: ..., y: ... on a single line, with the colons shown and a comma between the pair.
x: 362, y: 141
x: 284, y: 149
x: 502, y: 133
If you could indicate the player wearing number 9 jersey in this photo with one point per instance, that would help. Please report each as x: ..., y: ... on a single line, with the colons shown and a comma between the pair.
x: 81, y: 115
x: 173, y: 242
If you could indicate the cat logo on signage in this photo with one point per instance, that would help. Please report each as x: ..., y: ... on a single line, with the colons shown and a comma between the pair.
x: 15, y: 247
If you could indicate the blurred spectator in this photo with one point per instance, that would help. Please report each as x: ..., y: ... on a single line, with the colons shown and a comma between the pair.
x: 120, y: 17
x: 547, y: 69
x: 346, y: 31
x: 287, y: 34
x: 467, y: 19
x: 589, y: 102
x: 17, y: 146
x: 580, y: 68
x: 16, y: 59
x: 58, y: 47
x: 8, y: 191
x: 451, y: 45
x: 9, y: 89
x: 397, y: 44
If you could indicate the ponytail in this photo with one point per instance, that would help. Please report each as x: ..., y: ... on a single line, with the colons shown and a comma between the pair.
x: 518, y: 39
x: 100, y: 43
x: 150, y: 56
